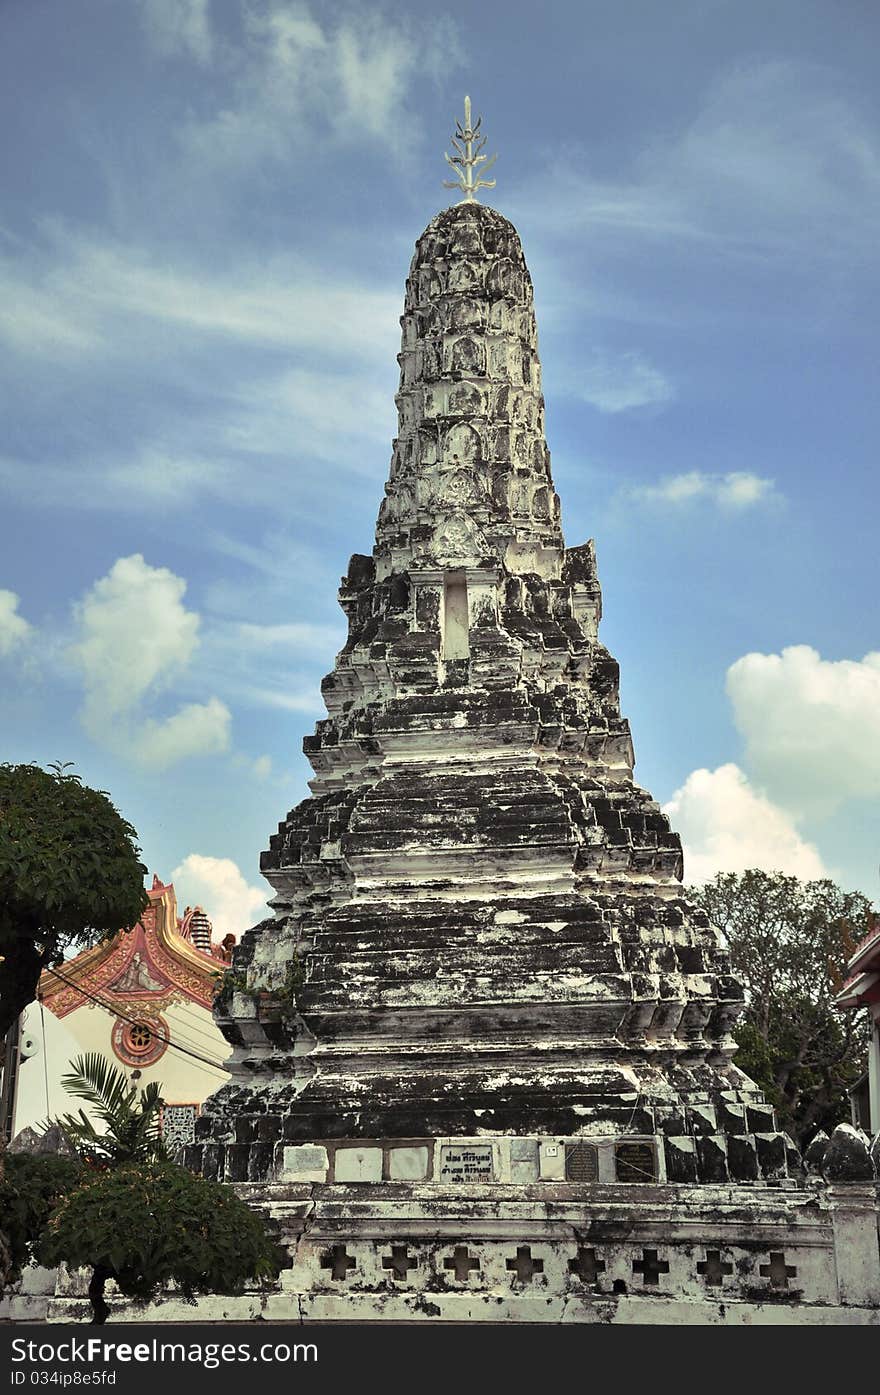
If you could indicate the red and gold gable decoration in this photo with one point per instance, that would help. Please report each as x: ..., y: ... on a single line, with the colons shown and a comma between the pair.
x: 143, y: 969
x: 862, y: 986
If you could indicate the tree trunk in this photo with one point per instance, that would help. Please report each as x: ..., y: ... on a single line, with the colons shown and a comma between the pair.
x: 100, y: 1275
x: 23, y: 963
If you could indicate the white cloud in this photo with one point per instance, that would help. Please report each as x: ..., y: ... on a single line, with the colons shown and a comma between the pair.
x: 260, y: 767
x: 736, y: 490
x: 811, y: 726
x: 618, y: 382
x: 179, y: 26
x: 135, y: 637
x: 14, y: 629
x: 198, y: 729
x: 739, y: 489
x: 728, y: 826
x: 217, y: 885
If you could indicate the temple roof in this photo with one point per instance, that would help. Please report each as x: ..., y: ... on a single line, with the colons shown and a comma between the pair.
x: 152, y: 963
x: 862, y: 985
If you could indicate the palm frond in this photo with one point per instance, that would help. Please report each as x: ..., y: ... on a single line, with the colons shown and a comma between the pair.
x: 94, y: 1078
x: 131, y: 1118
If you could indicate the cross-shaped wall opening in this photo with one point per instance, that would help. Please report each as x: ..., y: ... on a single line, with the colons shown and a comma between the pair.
x: 713, y: 1268
x: 338, y: 1262
x: 524, y: 1266
x: 650, y: 1268
x: 399, y: 1262
x: 777, y: 1271
x: 461, y: 1262
x: 587, y: 1266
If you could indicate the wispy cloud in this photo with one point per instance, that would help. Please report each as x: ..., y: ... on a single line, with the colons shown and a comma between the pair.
x: 323, y: 414
x: 176, y: 27
x: 295, y: 636
x: 740, y: 489
x: 777, y: 157
x: 14, y: 629
x: 34, y: 320
x: 75, y: 292
x: 304, y: 700
x: 149, y: 478
x: 298, y: 76
x: 616, y: 382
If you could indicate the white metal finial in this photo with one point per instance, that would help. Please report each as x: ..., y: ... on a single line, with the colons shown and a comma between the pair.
x: 468, y: 143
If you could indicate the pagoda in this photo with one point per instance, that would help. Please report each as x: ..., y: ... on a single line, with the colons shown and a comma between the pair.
x: 483, y: 1047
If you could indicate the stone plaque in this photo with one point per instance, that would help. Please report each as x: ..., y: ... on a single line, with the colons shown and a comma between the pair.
x: 635, y: 1162
x: 581, y: 1162
x: 466, y: 1162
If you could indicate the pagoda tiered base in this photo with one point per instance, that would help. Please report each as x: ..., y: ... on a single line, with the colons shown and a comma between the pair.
x: 555, y: 1252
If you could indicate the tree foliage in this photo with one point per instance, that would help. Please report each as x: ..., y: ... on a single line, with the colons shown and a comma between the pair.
x: 130, y: 1116
x: 70, y: 870
x: 146, y: 1225
x: 789, y: 942
x: 137, y: 1218
x: 31, y: 1187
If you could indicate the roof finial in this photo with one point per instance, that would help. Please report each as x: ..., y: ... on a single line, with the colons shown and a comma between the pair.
x: 468, y: 143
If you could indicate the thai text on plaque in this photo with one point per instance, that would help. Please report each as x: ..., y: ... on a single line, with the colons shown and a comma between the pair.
x: 581, y: 1162
x: 635, y: 1162
x: 466, y: 1162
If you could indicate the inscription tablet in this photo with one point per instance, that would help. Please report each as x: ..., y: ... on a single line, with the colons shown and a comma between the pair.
x: 581, y: 1162
x: 466, y: 1162
x: 635, y: 1162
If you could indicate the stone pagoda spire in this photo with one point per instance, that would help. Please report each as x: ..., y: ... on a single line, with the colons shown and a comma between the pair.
x: 479, y: 931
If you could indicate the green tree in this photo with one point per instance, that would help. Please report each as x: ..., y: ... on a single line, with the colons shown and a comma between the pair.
x: 136, y: 1217
x: 70, y: 871
x: 31, y: 1187
x: 146, y: 1225
x: 789, y: 942
x: 130, y: 1116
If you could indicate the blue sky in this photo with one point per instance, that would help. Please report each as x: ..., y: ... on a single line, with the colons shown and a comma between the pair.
x: 209, y: 211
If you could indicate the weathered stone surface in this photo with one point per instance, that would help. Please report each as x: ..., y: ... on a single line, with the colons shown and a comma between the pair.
x: 358, y: 1165
x: 408, y: 1163
x: 51, y: 1140
x: 847, y: 1157
x: 681, y: 1159
x: 712, y: 1154
x: 481, y: 909
x: 523, y: 1160
x: 742, y: 1157
x: 307, y: 1162
x: 816, y: 1151
x: 771, y: 1151
x: 483, y: 1064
